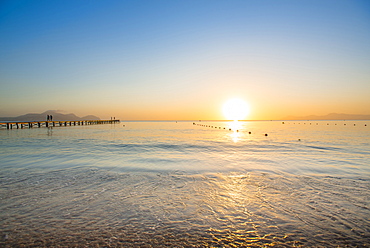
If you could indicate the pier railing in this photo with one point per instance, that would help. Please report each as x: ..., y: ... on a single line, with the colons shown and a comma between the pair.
x: 31, y: 124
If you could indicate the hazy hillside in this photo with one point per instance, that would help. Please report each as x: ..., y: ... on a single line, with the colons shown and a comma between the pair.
x: 332, y: 116
x: 42, y: 117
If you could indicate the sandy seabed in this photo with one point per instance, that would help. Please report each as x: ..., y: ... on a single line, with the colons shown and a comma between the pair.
x: 98, y: 208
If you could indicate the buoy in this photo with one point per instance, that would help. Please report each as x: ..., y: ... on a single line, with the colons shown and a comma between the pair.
x: 266, y: 134
x: 283, y: 123
x: 249, y: 132
x: 229, y: 129
x: 237, y: 130
x: 299, y: 139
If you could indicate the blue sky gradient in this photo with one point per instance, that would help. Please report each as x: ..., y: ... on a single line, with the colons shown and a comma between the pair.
x: 184, y: 59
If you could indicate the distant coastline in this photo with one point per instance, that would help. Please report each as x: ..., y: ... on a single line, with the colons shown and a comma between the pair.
x: 332, y: 116
x: 56, y: 117
x: 65, y: 117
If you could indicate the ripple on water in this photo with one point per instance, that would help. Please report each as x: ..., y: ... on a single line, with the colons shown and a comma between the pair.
x: 95, y: 207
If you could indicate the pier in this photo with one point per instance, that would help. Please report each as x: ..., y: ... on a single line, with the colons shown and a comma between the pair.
x: 31, y: 124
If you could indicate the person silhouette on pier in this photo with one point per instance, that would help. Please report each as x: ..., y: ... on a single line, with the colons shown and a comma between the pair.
x: 51, y: 118
x: 47, y: 118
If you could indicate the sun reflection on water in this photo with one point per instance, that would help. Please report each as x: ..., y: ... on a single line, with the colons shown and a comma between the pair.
x: 235, y: 126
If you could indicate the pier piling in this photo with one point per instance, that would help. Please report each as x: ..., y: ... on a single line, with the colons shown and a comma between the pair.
x: 30, y: 124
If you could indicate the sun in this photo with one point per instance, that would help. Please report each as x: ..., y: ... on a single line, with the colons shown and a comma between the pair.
x: 235, y: 109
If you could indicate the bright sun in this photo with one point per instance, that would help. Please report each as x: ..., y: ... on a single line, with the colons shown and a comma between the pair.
x: 235, y: 109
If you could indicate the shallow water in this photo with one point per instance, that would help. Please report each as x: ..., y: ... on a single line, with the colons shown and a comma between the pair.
x: 160, y: 184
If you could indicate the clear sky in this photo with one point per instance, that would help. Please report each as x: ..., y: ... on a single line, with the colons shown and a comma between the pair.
x: 182, y: 60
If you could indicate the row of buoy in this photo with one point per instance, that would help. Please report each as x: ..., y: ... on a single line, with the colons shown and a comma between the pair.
x: 326, y: 124
x: 220, y: 128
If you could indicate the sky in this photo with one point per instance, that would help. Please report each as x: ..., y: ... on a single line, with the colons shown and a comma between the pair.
x: 182, y: 60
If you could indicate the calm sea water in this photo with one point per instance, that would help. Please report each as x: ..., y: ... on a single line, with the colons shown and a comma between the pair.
x: 168, y: 184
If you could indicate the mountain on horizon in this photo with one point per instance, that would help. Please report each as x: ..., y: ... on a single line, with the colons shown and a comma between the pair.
x: 332, y: 116
x: 56, y: 117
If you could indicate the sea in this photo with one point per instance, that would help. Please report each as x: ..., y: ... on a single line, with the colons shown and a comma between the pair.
x: 187, y: 184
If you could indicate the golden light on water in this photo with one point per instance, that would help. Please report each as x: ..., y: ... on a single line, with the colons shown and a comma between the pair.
x: 235, y: 126
x: 235, y: 109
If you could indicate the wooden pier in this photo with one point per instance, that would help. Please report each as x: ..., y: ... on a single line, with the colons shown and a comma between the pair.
x: 31, y: 124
